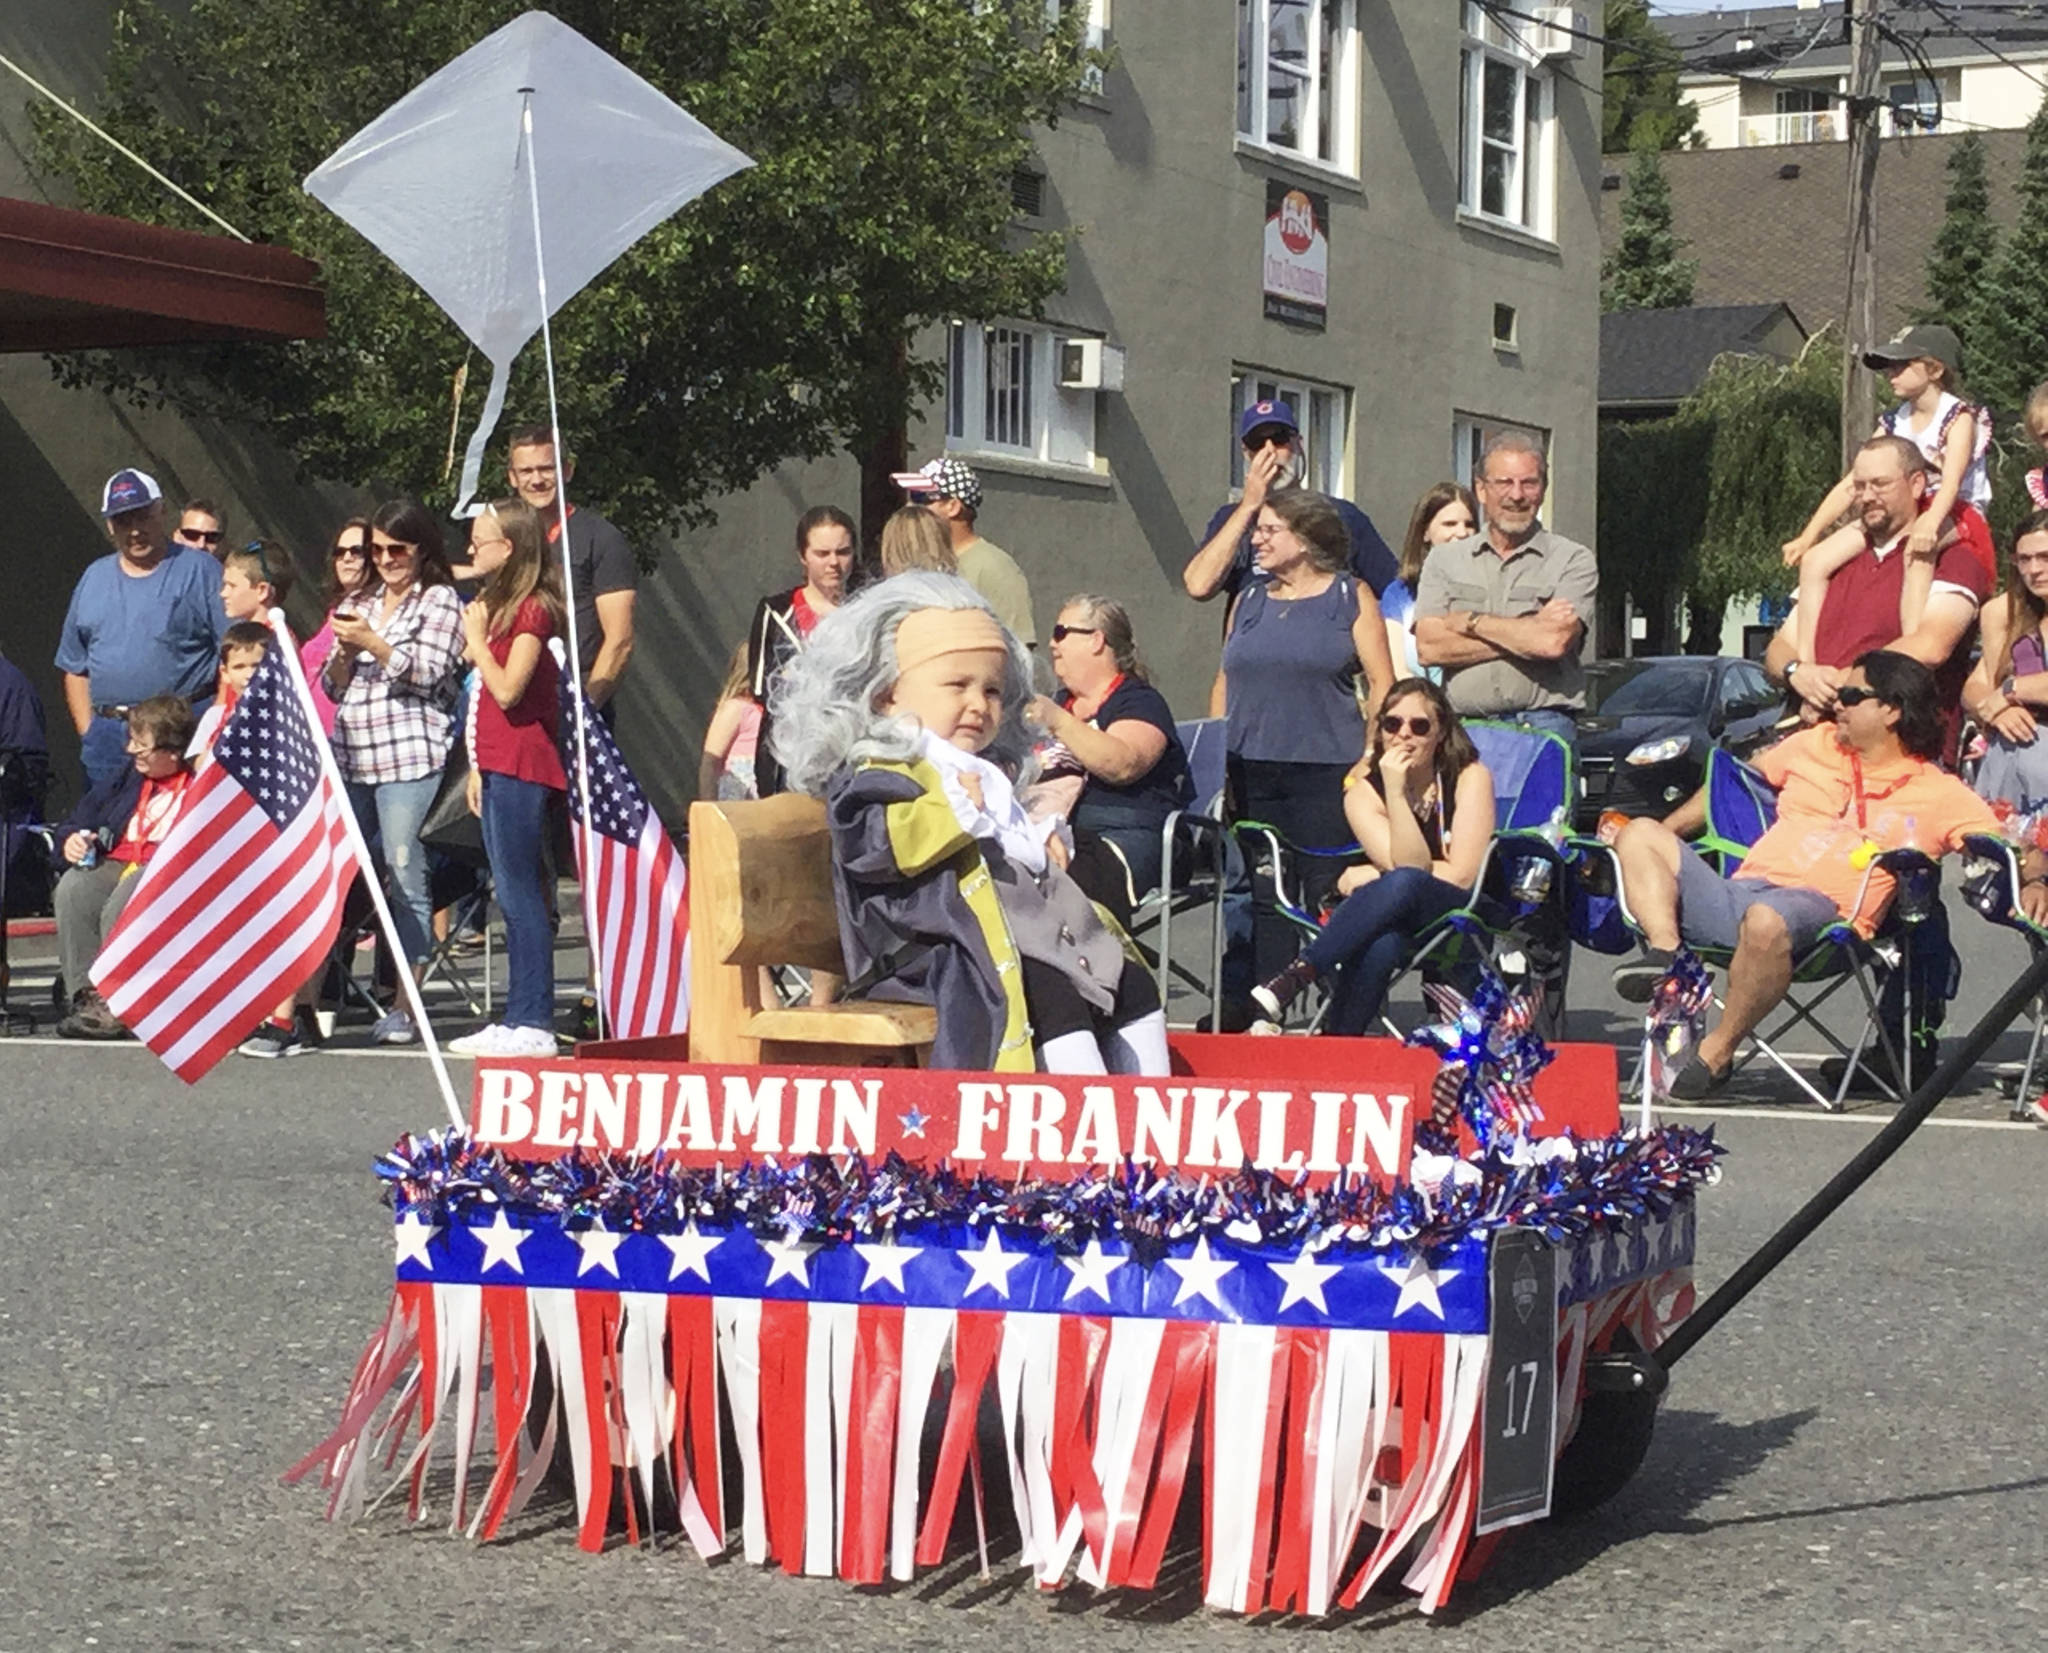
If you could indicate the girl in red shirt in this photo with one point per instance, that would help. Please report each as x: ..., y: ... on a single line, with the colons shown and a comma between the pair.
x: 517, y: 765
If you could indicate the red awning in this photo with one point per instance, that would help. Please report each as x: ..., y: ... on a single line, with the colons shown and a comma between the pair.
x: 77, y: 281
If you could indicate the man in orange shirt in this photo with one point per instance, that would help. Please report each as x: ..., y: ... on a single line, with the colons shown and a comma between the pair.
x: 1847, y: 791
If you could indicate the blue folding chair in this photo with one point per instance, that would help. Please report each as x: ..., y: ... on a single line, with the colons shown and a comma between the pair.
x: 1741, y: 804
x: 1521, y: 878
x: 1991, y: 884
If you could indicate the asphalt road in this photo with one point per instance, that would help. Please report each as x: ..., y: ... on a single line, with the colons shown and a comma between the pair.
x: 1853, y: 1460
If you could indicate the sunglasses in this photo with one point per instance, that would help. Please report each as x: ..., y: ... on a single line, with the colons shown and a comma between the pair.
x: 199, y: 536
x: 1420, y: 727
x: 391, y: 548
x: 1061, y: 633
x: 350, y: 551
x: 1850, y: 695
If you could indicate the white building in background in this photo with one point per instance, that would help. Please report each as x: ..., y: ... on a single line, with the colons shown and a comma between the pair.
x: 1780, y: 74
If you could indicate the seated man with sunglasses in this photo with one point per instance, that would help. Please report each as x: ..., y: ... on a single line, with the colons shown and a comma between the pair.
x: 1847, y: 791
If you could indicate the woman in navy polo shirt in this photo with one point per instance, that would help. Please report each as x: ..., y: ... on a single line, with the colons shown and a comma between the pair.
x: 1120, y: 731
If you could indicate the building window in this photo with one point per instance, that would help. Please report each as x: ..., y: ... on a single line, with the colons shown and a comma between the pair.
x: 1505, y: 141
x: 1804, y: 115
x: 1915, y: 106
x: 1297, y: 78
x: 1094, y: 34
x: 1003, y: 396
x: 1505, y: 321
x: 1323, y: 412
x: 1470, y: 432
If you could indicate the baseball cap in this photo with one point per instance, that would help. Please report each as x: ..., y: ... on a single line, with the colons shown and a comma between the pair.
x: 946, y: 478
x: 1266, y: 413
x: 1934, y: 341
x: 128, y: 491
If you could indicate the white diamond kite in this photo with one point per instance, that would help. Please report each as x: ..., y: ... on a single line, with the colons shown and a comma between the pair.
x: 507, y: 181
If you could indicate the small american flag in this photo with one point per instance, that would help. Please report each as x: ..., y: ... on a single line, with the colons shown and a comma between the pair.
x: 242, y: 900
x: 639, y: 890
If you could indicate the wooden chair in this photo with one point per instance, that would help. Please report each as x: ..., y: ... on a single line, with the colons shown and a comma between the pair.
x: 761, y: 894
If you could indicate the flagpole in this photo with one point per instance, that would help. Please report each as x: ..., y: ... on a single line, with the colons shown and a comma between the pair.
x: 585, y: 883
x: 359, y: 847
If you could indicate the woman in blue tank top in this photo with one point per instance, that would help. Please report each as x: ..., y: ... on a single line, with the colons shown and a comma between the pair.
x: 1298, y: 638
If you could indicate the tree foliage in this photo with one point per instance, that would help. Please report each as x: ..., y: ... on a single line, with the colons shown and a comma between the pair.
x: 2009, y: 352
x: 1640, y: 100
x: 1644, y: 272
x: 1959, y: 261
x: 771, y: 320
x: 1699, y: 504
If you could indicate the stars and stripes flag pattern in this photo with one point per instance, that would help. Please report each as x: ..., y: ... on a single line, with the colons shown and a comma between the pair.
x: 1335, y: 1397
x: 638, y: 891
x: 242, y: 900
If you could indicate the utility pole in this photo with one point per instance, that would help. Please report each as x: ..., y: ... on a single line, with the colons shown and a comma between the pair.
x: 1859, y: 311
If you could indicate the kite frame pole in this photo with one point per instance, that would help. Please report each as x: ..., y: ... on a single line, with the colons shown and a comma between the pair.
x: 360, y: 848
x: 585, y: 882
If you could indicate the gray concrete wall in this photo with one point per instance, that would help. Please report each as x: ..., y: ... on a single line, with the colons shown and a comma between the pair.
x: 1169, y: 220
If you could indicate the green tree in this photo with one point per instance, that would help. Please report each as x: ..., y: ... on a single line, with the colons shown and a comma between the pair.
x: 1644, y: 272
x: 1640, y: 100
x: 1959, y: 262
x: 773, y: 319
x: 2009, y: 350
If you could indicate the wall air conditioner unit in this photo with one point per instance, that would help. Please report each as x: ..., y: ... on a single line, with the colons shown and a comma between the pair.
x: 1559, y: 32
x: 1089, y: 364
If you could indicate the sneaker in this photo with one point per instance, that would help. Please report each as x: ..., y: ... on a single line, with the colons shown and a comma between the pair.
x: 483, y: 1042
x: 90, y: 1019
x: 394, y: 1027
x: 306, y: 1022
x: 466, y: 941
x: 1275, y: 996
x: 581, y: 1023
x: 1637, y: 983
x: 271, y: 1041
x: 527, y: 1041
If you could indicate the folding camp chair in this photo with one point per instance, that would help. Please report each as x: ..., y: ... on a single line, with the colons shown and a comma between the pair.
x: 1521, y: 878
x: 1991, y: 884
x: 1193, y: 862
x: 1740, y: 805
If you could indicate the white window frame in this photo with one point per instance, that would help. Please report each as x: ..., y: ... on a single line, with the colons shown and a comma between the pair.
x: 1324, y: 412
x: 1470, y: 432
x: 1922, y: 98
x: 1529, y: 197
x: 1094, y: 35
x: 1029, y: 418
x: 1256, y: 68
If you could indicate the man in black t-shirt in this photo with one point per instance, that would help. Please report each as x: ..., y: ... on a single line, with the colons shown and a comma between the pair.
x: 601, y: 563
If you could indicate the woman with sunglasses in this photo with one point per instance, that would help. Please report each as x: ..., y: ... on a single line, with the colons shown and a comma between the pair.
x: 348, y: 565
x: 1421, y: 803
x: 1120, y: 732
x: 395, y: 671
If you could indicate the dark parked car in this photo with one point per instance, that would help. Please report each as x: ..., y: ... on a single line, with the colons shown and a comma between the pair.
x: 1650, y: 722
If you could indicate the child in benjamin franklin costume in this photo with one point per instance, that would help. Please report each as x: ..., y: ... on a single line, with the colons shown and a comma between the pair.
x: 905, y: 714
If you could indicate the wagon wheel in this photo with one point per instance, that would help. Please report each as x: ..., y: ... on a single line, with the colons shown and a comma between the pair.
x: 1616, y: 1420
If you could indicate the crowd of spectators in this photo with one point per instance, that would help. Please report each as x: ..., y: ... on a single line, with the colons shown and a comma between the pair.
x: 1344, y: 677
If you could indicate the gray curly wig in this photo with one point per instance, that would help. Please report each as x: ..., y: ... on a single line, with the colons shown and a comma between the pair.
x: 825, y: 704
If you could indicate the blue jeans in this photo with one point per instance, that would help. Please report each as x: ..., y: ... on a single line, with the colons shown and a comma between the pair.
x: 103, y: 749
x: 1370, y: 935
x: 392, y: 813
x: 515, y: 838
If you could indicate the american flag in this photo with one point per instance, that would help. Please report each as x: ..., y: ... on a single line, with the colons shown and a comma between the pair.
x: 638, y: 889
x: 242, y: 900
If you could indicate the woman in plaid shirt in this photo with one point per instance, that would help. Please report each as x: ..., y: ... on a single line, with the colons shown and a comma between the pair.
x: 394, y: 675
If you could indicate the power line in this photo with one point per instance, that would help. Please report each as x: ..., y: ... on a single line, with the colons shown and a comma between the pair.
x: 1968, y: 34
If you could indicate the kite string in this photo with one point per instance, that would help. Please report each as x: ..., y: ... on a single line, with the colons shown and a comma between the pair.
x: 578, y: 699
x: 107, y: 137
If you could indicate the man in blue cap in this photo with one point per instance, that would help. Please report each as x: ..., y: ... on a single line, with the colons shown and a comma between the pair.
x: 1274, y: 458
x: 145, y: 621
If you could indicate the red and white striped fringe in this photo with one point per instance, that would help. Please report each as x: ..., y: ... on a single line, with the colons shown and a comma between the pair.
x: 1325, y: 1453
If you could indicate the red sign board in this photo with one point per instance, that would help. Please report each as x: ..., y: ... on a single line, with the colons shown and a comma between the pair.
x: 1324, y: 1107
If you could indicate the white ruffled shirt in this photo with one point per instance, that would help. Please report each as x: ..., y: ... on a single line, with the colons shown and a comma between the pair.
x: 999, y: 816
